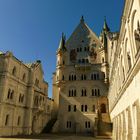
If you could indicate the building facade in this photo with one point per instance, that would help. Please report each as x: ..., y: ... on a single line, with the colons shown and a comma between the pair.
x: 124, y: 74
x: 80, y: 83
x: 23, y: 97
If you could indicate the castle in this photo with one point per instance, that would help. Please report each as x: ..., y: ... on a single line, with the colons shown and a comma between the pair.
x: 95, y: 86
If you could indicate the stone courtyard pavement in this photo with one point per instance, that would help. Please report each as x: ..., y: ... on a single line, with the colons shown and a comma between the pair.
x: 55, y: 137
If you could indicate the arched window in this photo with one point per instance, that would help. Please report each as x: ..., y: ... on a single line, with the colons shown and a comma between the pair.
x: 103, y: 108
x: 14, y: 71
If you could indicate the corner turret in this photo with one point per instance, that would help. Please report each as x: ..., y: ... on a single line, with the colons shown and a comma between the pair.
x: 62, y: 47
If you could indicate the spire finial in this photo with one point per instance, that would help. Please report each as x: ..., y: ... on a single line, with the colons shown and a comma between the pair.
x: 105, y: 27
x: 82, y: 18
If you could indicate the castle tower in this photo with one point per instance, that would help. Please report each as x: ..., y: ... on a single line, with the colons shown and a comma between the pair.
x: 103, y: 38
x: 80, y: 88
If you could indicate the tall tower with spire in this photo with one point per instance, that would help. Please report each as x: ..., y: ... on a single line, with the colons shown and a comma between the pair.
x: 79, y: 85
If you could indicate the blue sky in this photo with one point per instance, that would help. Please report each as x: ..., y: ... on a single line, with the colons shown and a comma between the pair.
x: 31, y: 29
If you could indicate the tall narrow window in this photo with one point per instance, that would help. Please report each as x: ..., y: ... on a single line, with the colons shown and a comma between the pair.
x: 68, y: 124
x: 14, y: 71
x: 63, y: 78
x: 75, y: 92
x: 12, y: 94
x: 82, y: 108
x: 69, y: 108
x: 24, y: 77
x: 87, y: 124
x: 9, y: 93
x: 69, y: 93
x: 129, y: 61
x: 85, y: 108
x: 98, y: 92
x: 7, y: 120
x: 18, y: 122
x: 77, y: 49
x: 95, y: 77
x: 69, y: 78
x: 92, y: 92
x: 74, y: 108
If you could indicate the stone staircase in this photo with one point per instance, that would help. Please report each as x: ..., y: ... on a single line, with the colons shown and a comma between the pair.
x: 104, y: 125
x: 49, y: 126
